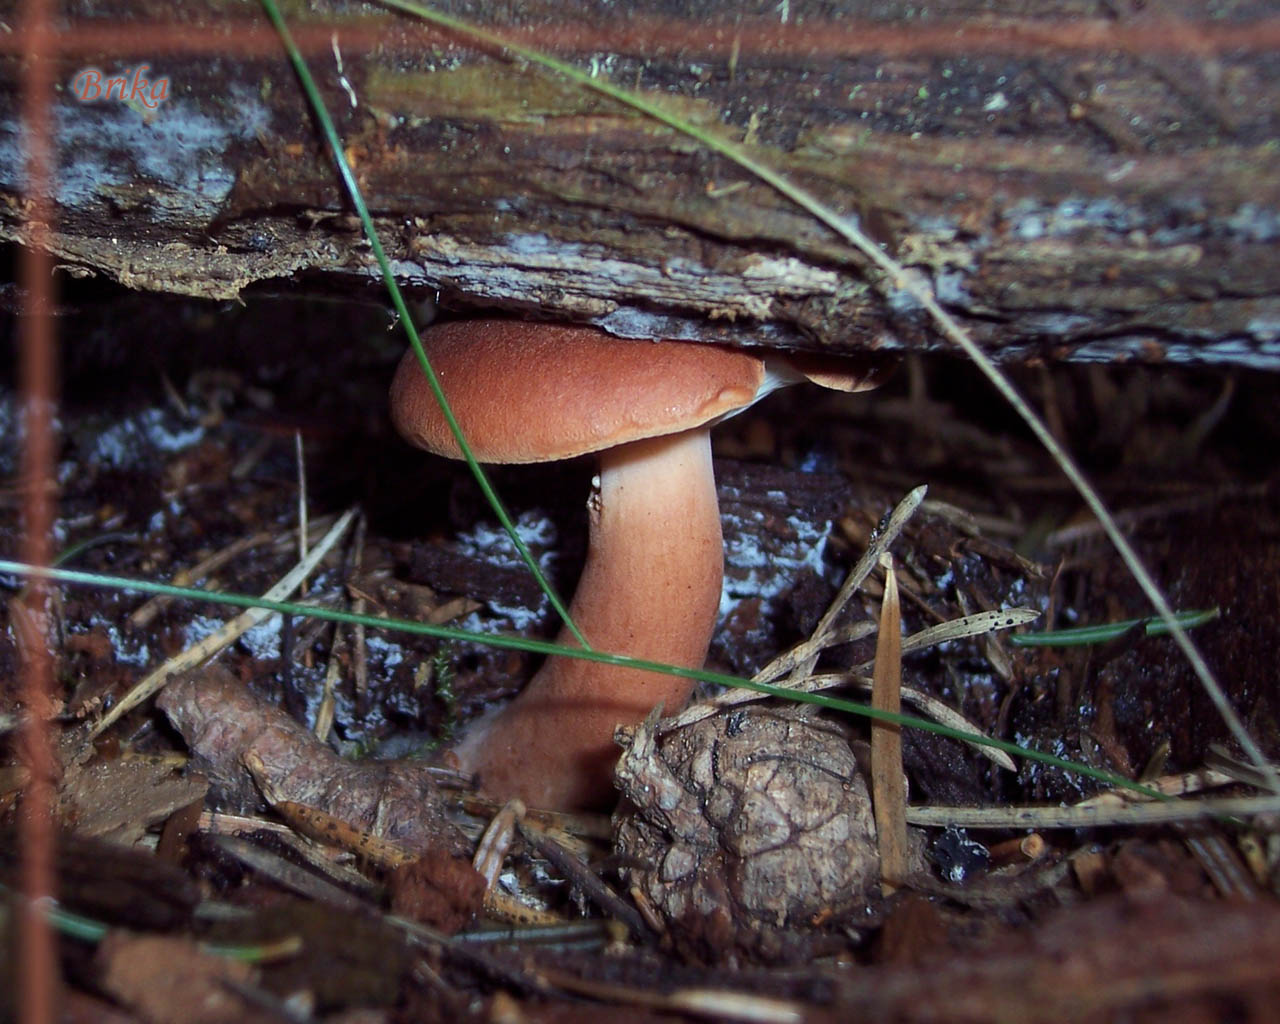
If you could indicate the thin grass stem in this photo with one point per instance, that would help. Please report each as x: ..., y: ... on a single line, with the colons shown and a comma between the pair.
x: 895, y: 279
x: 1082, y: 636
x: 519, y: 643
x: 397, y: 300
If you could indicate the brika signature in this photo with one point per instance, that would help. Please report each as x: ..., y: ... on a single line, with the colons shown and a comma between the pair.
x: 130, y: 86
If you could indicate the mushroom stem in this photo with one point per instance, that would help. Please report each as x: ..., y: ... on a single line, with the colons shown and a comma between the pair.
x: 651, y: 589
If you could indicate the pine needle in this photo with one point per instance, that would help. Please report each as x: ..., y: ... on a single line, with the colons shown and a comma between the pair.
x: 888, y: 783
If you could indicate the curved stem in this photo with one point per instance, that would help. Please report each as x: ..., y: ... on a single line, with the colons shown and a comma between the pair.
x: 651, y: 589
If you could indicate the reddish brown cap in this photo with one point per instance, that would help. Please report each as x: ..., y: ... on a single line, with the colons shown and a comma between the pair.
x: 532, y: 392
x: 848, y: 373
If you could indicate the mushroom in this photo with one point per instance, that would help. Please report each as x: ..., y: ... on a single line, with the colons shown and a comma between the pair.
x: 527, y: 392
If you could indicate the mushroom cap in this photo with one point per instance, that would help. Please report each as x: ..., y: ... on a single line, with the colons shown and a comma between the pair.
x: 533, y: 392
x: 838, y: 372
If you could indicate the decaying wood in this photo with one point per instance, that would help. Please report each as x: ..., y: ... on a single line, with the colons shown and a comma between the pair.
x: 1167, y: 959
x: 222, y: 723
x: 1075, y: 179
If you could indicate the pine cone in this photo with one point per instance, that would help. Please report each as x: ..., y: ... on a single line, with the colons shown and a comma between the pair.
x: 745, y: 828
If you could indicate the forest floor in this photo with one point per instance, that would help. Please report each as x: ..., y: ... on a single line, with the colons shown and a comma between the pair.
x: 282, y: 800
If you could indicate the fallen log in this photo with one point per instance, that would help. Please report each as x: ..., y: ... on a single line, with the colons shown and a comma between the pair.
x: 1088, y: 181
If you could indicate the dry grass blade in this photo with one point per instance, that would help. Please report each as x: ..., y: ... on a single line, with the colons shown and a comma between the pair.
x: 219, y: 823
x: 732, y: 698
x: 1167, y: 785
x: 1220, y: 759
x: 288, y: 875
x: 241, y: 624
x: 1219, y: 860
x: 143, y: 615
x: 798, y: 662
x: 736, y: 1006
x: 888, y: 784
x: 924, y: 702
x: 1082, y: 816
x: 325, y: 711
x: 337, y: 649
x: 957, y: 629
x: 969, y: 625
x: 939, y: 712
x: 879, y: 546
x: 789, y: 662
x: 301, y: 460
x: 496, y: 841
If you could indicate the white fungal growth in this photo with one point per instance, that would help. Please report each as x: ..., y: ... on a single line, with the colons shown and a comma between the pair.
x: 485, y: 540
x: 751, y: 572
x: 124, y: 444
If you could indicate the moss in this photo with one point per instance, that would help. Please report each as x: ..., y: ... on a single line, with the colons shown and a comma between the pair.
x: 485, y: 92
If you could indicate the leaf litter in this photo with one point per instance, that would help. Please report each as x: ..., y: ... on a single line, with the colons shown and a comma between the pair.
x: 356, y: 810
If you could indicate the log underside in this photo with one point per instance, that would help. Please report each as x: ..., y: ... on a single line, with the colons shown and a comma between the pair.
x: 1094, y: 180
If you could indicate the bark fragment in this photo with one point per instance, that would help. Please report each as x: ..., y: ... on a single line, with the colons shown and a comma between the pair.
x: 1074, y: 180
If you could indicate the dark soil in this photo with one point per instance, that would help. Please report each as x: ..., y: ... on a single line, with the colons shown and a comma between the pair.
x: 177, y: 438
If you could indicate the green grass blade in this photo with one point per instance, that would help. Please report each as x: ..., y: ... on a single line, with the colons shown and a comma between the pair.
x: 88, y: 929
x: 397, y: 300
x: 896, y: 279
x: 1081, y: 636
x: 519, y: 643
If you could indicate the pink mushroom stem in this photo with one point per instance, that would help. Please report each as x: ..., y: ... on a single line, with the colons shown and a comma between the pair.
x: 529, y: 392
x: 650, y: 589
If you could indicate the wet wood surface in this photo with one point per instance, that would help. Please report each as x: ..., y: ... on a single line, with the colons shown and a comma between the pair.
x: 1082, y: 179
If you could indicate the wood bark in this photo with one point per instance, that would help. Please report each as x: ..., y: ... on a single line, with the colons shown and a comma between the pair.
x: 1089, y: 179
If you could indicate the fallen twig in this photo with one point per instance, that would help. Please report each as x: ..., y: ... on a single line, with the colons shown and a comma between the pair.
x: 1092, y: 816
